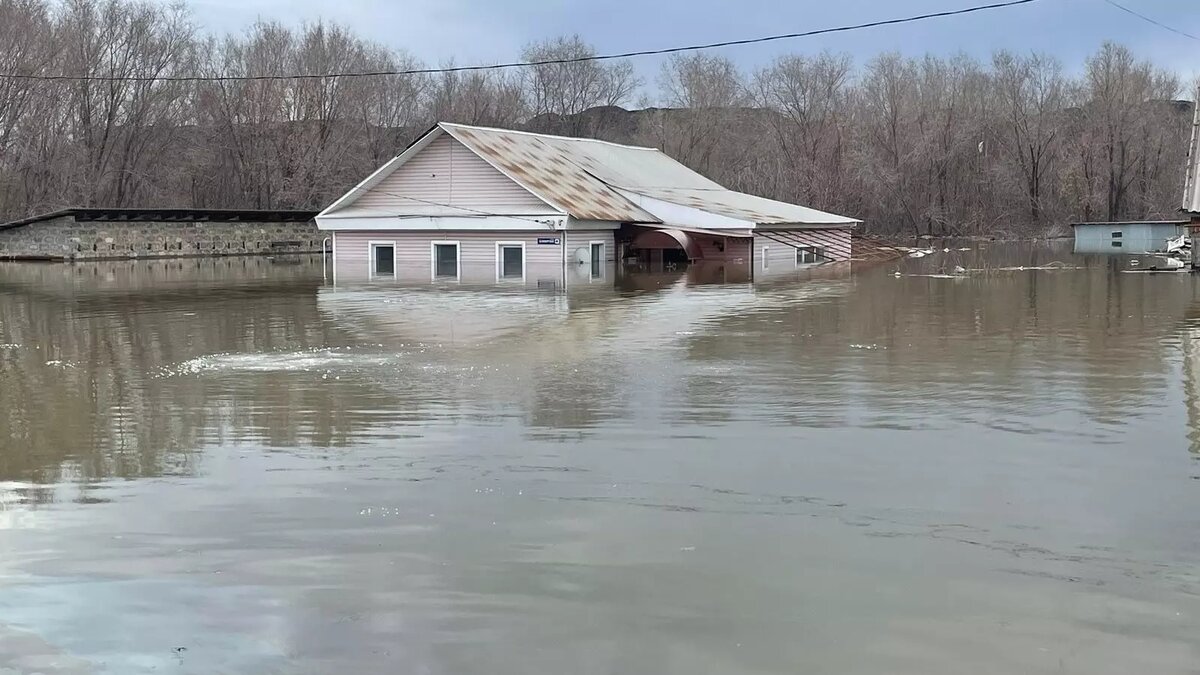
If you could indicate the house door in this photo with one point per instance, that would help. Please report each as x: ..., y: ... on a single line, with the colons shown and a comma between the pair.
x: 597, y: 260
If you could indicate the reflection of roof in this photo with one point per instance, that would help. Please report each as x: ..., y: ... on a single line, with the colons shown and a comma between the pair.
x: 596, y: 180
x: 1191, y: 187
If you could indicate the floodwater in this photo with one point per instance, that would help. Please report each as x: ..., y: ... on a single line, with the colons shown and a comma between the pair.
x: 229, y: 466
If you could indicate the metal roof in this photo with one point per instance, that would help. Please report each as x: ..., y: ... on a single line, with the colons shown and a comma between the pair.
x: 545, y: 167
x: 97, y: 214
x: 645, y: 171
x: 1191, y: 185
x: 742, y: 206
x: 591, y: 179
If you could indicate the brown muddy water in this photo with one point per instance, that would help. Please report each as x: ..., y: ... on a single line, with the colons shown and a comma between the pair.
x: 227, y: 466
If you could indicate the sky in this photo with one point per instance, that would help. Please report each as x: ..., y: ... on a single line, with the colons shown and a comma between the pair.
x: 482, y: 31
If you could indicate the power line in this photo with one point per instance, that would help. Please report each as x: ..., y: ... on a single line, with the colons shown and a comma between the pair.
x: 1147, y: 19
x: 517, y: 64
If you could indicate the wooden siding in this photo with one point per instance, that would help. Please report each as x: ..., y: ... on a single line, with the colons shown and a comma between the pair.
x: 446, y: 178
x: 477, y: 255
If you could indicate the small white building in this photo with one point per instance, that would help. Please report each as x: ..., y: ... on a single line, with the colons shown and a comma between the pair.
x: 478, y: 205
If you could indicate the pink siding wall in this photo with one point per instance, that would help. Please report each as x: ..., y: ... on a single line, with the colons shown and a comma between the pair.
x: 446, y: 172
x: 582, y: 238
x: 782, y: 256
x: 477, y: 255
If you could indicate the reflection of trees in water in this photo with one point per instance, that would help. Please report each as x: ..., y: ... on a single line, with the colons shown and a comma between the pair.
x: 81, y: 397
x: 869, y: 350
x: 898, y: 350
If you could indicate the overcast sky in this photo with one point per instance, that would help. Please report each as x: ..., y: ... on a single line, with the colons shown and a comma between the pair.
x: 479, y: 31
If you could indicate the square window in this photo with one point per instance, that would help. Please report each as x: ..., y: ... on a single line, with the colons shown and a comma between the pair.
x: 445, y: 261
x: 383, y: 260
x: 512, y: 261
x: 809, y: 255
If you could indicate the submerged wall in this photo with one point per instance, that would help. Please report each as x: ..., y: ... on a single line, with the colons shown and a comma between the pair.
x: 1129, y: 238
x: 772, y: 256
x: 544, y: 261
x: 64, y: 238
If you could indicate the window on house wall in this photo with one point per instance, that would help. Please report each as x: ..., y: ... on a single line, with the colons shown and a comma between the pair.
x: 765, y: 258
x: 510, y: 260
x: 383, y: 259
x: 1117, y: 235
x: 445, y: 260
x: 597, y: 251
x: 1116, y: 244
x: 808, y: 255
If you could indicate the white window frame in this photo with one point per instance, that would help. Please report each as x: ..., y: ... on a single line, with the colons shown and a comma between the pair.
x: 500, y: 245
x: 816, y: 251
x: 371, y: 273
x: 457, y: 260
x: 603, y: 257
x: 766, y: 256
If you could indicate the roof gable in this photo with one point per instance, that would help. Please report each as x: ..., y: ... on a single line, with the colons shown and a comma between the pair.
x: 539, y: 164
x: 585, y: 178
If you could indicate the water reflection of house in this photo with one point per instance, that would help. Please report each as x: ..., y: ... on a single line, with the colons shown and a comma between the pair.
x: 474, y: 205
x: 1191, y: 382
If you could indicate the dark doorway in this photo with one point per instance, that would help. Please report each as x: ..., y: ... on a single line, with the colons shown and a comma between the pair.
x: 675, y: 256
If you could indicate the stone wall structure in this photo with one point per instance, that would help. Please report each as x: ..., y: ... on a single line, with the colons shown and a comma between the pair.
x: 97, y: 234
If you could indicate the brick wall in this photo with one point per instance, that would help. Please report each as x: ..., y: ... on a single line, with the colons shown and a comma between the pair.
x: 65, y: 239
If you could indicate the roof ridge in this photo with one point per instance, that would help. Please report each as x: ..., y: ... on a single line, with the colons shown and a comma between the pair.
x: 554, y: 136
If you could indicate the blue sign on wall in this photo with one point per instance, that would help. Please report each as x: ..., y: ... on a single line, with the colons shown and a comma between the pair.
x: 553, y: 241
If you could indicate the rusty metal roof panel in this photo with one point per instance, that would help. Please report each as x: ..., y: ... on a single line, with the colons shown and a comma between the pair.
x: 586, y: 178
x: 542, y: 166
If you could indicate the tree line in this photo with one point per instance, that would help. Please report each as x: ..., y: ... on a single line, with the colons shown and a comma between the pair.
x: 932, y: 145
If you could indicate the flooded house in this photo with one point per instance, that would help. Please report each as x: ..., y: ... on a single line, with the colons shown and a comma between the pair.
x: 479, y: 205
x: 1132, y: 237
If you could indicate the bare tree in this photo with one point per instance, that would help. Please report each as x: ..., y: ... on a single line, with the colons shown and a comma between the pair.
x: 706, y: 101
x: 918, y: 145
x: 810, y: 96
x: 560, y: 92
x: 1032, y: 96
